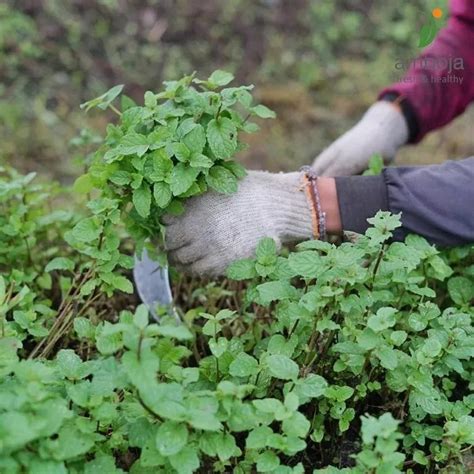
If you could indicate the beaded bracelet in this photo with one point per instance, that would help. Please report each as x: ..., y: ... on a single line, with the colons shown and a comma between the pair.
x: 318, y: 217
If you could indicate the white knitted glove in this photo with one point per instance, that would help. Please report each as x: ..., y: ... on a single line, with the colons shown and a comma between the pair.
x: 217, y: 229
x: 383, y: 129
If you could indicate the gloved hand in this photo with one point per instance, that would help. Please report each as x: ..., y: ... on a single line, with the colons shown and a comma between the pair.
x: 217, y: 229
x: 383, y: 129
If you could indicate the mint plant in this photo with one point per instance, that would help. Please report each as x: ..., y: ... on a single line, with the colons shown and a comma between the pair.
x: 352, y: 358
x: 179, y: 144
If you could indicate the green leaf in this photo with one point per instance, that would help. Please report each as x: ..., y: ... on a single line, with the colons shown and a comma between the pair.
x: 263, y: 112
x: 186, y: 461
x: 149, y: 458
x: 86, y: 230
x: 83, y: 184
x: 181, y: 151
x: 440, y: 268
x: 429, y: 402
x: 266, y: 248
x: 195, y: 139
x: 431, y: 347
x: 162, y: 165
x: 104, y: 100
x: 305, y: 264
x: 297, y: 425
x: 231, y: 95
x: 278, y: 344
x: 375, y: 166
x: 3, y: 289
x: 126, y: 103
x: 385, y: 221
x: 218, y: 347
x: 243, y: 366
x: 59, y: 263
x: 267, y: 461
x: 120, y: 178
x: 387, y: 356
x: 420, y: 457
x: 162, y: 194
x: 102, y: 463
x: 84, y: 328
x: 211, y: 328
x: 398, y: 337
x: 282, y: 367
x: 185, y: 127
x: 70, y: 365
x: 312, y: 386
x: 142, y: 200
x: 340, y: 393
x: 250, y: 127
x: 121, y: 283
x: 159, y: 138
x: 180, y: 332
x: 221, y: 180
x: 89, y: 286
x: 241, y: 270
x: 133, y: 144
x: 383, y: 427
x: 198, y: 160
x: 182, y: 178
x: 222, y: 137
x: 108, y: 342
x: 141, y: 372
x: 150, y: 100
x: 235, y: 168
x: 220, y: 78
x: 71, y: 442
x: 225, y: 314
x: 222, y: 445
x: 368, y: 339
x: 348, y: 347
x: 171, y: 438
x: 258, y: 437
x: 141, y: 317
x: 275, y: 290
x: 384, y: 319
x: 461, y: 290
x: 268, y: 405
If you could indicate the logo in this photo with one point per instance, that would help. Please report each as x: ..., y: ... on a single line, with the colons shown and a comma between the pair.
x: 429, y: 30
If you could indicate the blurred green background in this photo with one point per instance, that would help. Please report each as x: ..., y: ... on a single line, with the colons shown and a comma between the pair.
x: 318, y: 64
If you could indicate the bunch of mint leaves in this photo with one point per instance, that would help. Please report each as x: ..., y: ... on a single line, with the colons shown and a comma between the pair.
x: 180, y: 143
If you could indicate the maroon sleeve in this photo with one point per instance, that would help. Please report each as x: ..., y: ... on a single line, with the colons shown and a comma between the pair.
x: 439, y: 84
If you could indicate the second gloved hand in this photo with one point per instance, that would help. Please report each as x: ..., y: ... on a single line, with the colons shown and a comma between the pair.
x: 382, y: 130
x: 217, y: 229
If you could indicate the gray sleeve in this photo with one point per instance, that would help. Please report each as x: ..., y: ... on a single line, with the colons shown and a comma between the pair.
x: 436, y: 201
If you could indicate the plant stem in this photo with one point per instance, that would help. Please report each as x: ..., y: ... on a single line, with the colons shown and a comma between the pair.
x: 139, y: 348
x: 117, y: 111
x: 377, y: 263
x: 147, y: 408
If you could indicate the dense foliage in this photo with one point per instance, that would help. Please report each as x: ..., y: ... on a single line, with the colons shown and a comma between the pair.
x: 179, y: 144
x: 351, y: 358
x: 325, y: 352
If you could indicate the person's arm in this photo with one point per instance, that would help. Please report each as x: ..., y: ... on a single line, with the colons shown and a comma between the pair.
x: 436, y: 88
x: 439, y: 84
x: 436, y: 202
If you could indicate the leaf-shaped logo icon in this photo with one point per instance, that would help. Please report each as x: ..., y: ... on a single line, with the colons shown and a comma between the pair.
x: 429, y: 31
